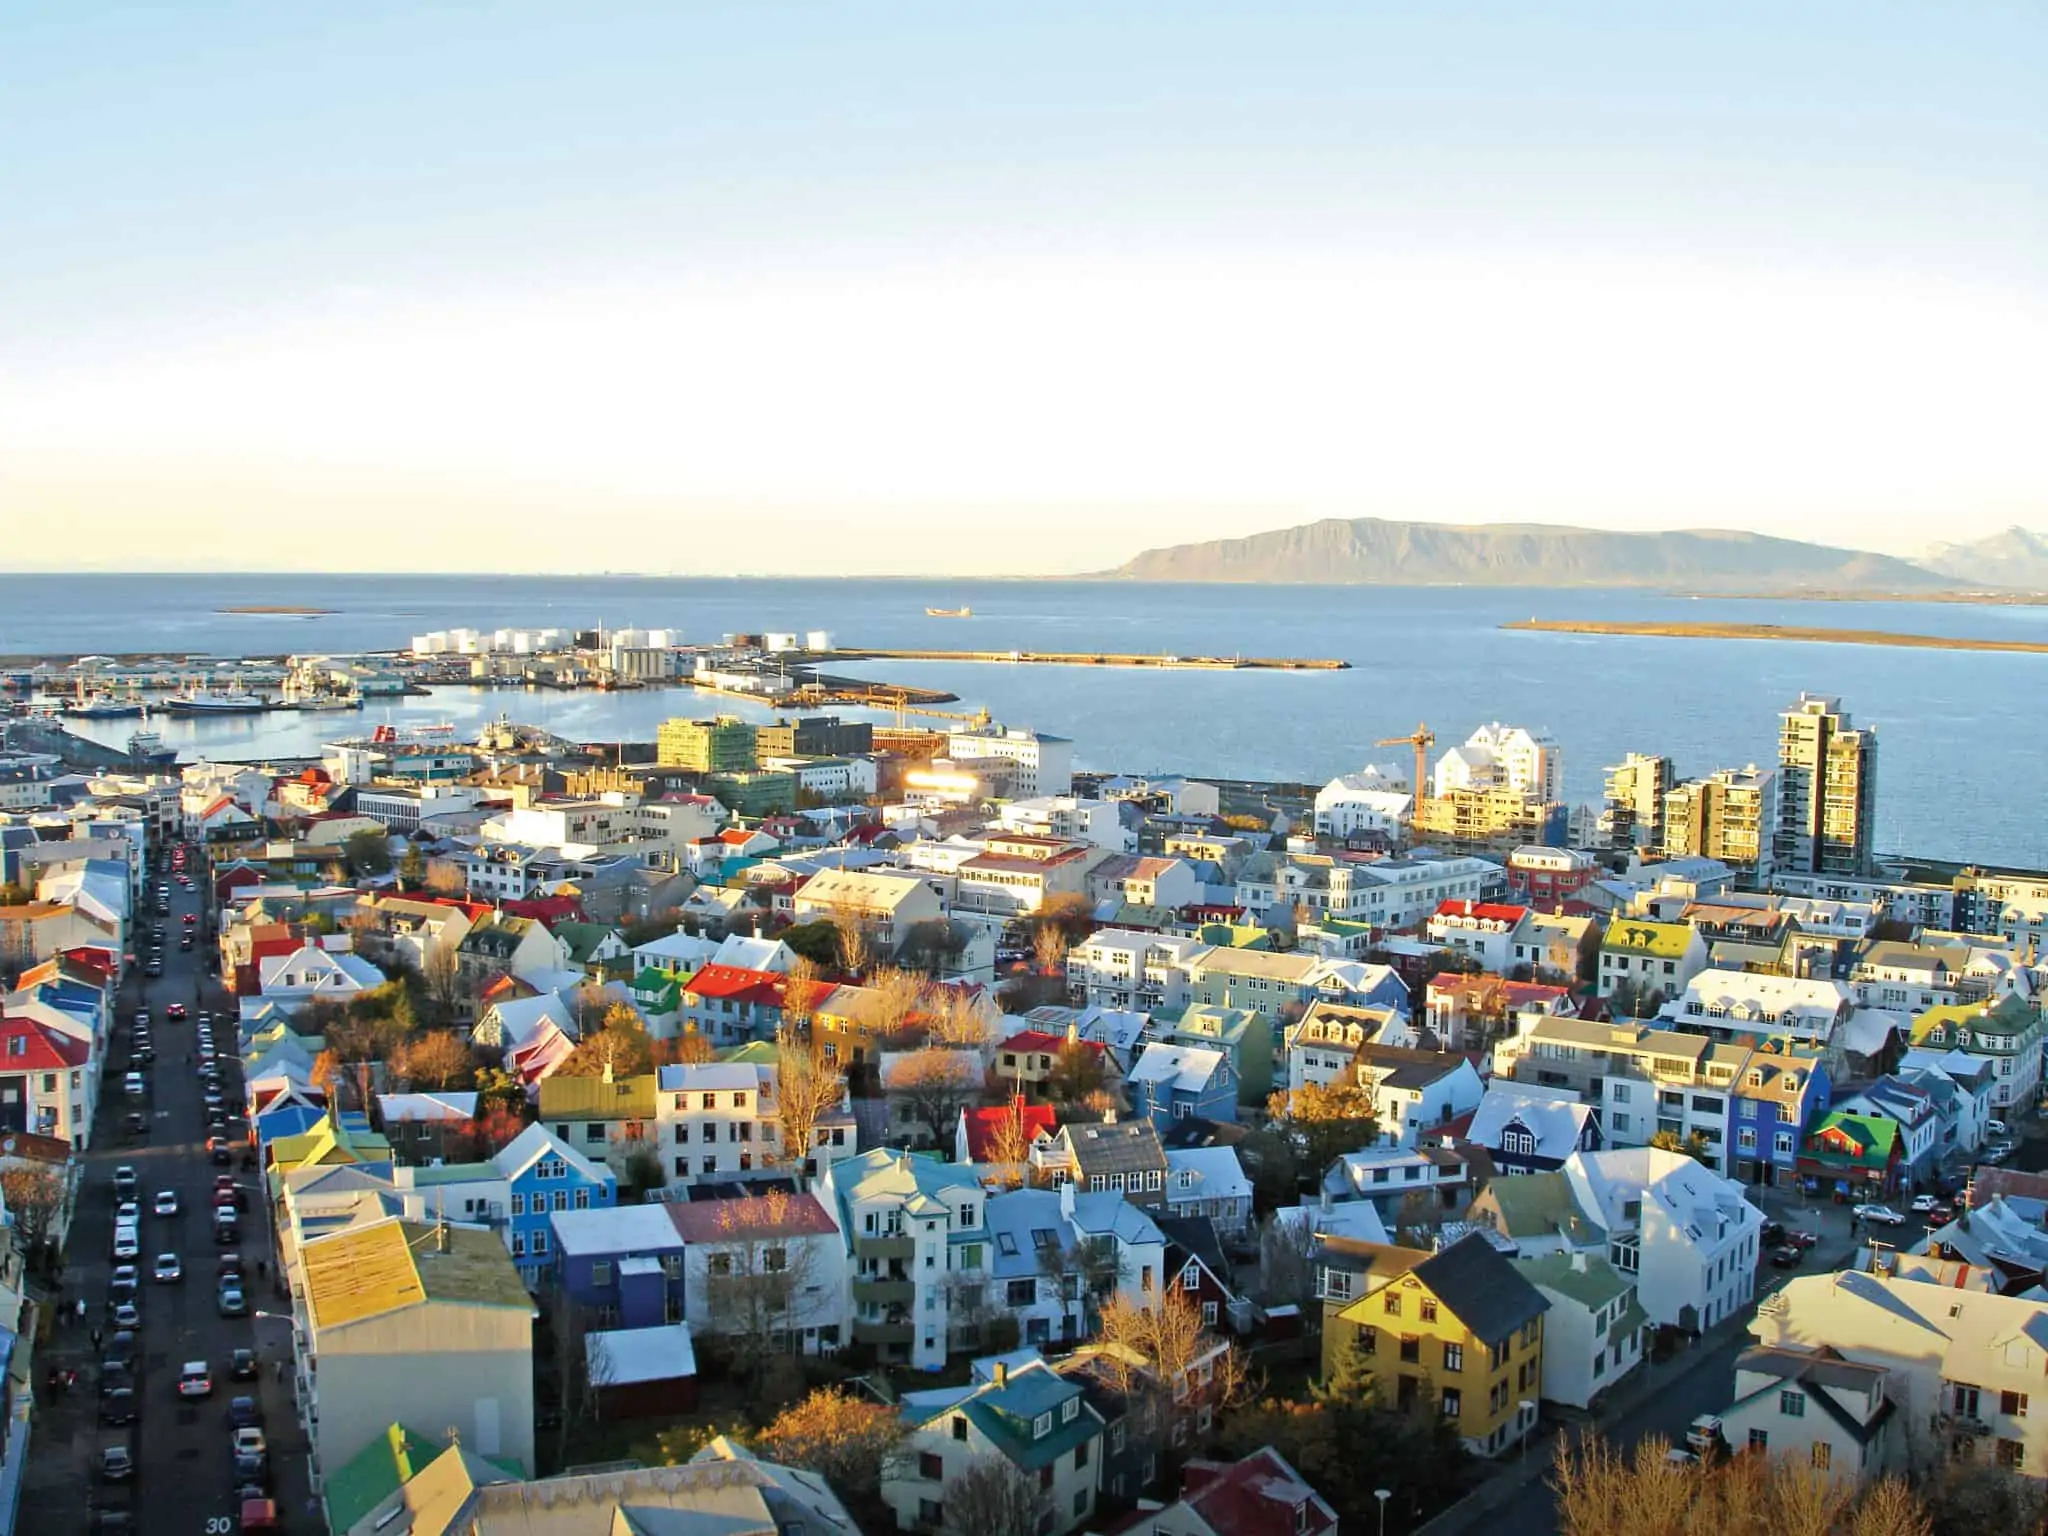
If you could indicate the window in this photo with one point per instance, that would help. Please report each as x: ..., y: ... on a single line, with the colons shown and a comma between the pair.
x: 1411, y: 1349
x: 1454, y: 1357
x: 931, y: 1514
x: 1081, y: 1494
x: 1823, y: 1454
x: 1021, y: 1293
x: 518, y: 1245
x: 1393, y: 1304
x: 959, y: 1426
x: 1792, y: 1404
x: 1041, y: 1426
x: 1760, y: 1440
x: 518, y: 1205
x: 1452, y: 1402
x: 1191, y: 1277
x: 583, y: 1199
x: 601, y: 1272
x: 682, y: 1134
x: 540, y: 1243
x: 2013, y: 1404
x: 1209, y: 1314
x: 1428, y: 1310
x: 2012, y: 1455
x: 931, y: 1467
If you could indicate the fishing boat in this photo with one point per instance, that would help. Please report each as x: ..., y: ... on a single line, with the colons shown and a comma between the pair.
x: 102, y: 706
x: 150, y: 747
x: 217, y: 702
x: 949, y: 613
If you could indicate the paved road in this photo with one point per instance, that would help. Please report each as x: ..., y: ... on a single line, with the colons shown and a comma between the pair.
x: 183, y: 1483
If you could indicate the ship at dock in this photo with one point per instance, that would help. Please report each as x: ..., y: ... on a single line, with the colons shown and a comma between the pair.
x: 102, y: 706
x: 216, y: 702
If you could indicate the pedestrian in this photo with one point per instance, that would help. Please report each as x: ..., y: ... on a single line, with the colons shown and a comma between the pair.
x: 95, y: 1338
x: 81, y: 1309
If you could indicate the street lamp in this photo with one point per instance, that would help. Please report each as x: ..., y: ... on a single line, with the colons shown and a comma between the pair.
x: 1383, y: 1494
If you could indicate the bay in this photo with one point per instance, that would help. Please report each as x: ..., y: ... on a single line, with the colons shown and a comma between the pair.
x: 1963, y: 735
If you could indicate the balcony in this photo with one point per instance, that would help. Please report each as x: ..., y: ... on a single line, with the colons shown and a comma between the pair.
x: 873, y: 1332
x: 885, y: 1247
x: 884, y: 1291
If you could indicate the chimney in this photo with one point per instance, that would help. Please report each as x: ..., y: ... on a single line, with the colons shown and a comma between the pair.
x: 607, y: 1071
x: 1067, y: 1200
x: 1073, y: 1031
x: 1109, y: 1115
x: 1002, y: 1375
x: 1579, y: 1262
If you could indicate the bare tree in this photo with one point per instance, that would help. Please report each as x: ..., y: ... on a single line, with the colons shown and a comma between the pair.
x: 1085, y: 1273
x: 1287, y: 1270
x: 1049, y: 950
x: 856, y: 932
x: 1009, y: 1146
x: 581, y: 1378
x: 807, y: 1088
x: 896, y: 997
x: 934, y: 1085
x: 1162, y: 1355
x: 954, y: 1016
x: 803, y: 984
x: 441, y: 970
x: 993, y: 1496
x: 757, y: 1272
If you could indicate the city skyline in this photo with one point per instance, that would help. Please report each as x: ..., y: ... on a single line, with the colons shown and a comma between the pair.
x: 836, y: 292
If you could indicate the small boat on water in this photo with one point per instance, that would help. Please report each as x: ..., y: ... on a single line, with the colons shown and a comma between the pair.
x: 150, y: 747
x: 217, y: 703
x: 949, y: 613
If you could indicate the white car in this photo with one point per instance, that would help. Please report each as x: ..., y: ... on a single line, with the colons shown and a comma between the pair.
x: 1922, y: 1204
x: 1878, y: 1215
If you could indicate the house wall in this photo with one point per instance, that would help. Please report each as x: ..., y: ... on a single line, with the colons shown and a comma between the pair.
x: 442, y: 1362
x: 1070, y: 1499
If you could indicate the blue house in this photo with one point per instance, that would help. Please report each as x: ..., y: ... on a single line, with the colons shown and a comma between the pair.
x: 1179, y: 1082
x: 543, y: 1175
x: 1529, y: 1129
x: 1782, y: 1092
x: 622, y: 1264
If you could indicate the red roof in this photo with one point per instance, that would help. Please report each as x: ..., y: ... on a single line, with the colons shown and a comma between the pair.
x: 984, y: 1124
x: 737, y: 836
x: 90, y: 957
x: 1042, y: 1040
x: 738, y: 983
x: 714, y: 1221
x: 546, y: 909
x: 315, y: 776
x: 42, y: 1049
x: 1483, y: 911
x: 1258, y: 1496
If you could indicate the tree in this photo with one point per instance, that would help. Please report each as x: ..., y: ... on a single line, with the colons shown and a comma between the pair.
x: 897, y: 996
x: 935, y: 1085
x: 327, y: 1073
x: 1009, y: 1146
x: 643, y: 1172
x: 497, y: 1087
x: 441, y: 972
x: 1049, y: 950
x: 1693, y: 1146
x: 992, y: 1497
x: 847, y: 1440
x: 580, y: 1376
x: 1162, y: 1355
x: 1287, y: 1268
x: 757, y: 1270
x: 690, y: 1048
x: 496, y: 1126
x: 953, y: 1015
x: 803, y: 986
x: 619, y: 1049
x: 807, y: 1088
x: 1273, y: 1163
x: 930, y: 945
x: 446, y: 877
x: 853, y: 939
x: 1644, y: 1493
x: 368, y: 852
x: 1085, y: 1273
x: 817, y: 942
x: 437, y: 1060
x: 1325, y: 1122
x: 412, y: 869
x: 1076, y: 1072
x: 35, y: 1195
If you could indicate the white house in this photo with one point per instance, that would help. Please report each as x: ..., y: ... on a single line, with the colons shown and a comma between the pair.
x: 1594, y: 1332
x: 1480, y: 930
x: 1414, y: 1091
x: 311, y: 974
x: 1069, y: 817
x: 1124, y: 968
x: 775, y: 1257
x: 1817, y: 1408
x: 1209, y: 1181
x: 1796, y: 1009
x: 1373, y: 801
x: 1686, y: 1234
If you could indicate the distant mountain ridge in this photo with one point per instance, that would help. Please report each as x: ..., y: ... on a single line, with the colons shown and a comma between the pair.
x: 1371, y: 551
x: 2018, y: 557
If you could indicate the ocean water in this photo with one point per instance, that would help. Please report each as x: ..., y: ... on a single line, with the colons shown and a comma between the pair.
x: 1964, y: 737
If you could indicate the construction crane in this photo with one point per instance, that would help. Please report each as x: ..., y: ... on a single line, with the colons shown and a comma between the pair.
x: 1421, y: 739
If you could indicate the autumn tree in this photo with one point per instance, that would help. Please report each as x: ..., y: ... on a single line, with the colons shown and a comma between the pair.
x: 803, y: 986
x: 934, y: 1085
x: 327, y: 1073
x: 1009, y: 1146
x: 35, y: 1198
x: 435, y: 1060
x: 1693, y: 1146
x: 993, y: 1496
x: 896, y: 997
x: 807, y: 1089
x: 1324, y: 1122
x: 850, y: 1442
x: 691, y: 1048
x: 853, y: 939
x: 495, y: 1126
x: 496, y: 1086
x: 1162, y: 1355
x: 953, y: 1016
x: 445, y: 877
x: 1049, y: 950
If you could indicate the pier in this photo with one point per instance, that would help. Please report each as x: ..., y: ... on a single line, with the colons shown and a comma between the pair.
x: 1806, y: 634
x: 1107, y: 659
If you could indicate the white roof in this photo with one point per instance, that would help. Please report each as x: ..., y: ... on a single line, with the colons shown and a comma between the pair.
x: 397, y: 1107
x: 1186, y: 1067
x: 628, y: 1355
x: 1219, y: 1175
x: 753, y: 954
x: 708, y: 1077
x: 614, y: 1229
x: 521, y: 1018
x: 1554, y: 1116
x: 679, y: 946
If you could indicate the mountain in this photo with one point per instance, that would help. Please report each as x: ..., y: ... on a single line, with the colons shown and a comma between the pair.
x: 2017, y: 557
x: 1370, y: 551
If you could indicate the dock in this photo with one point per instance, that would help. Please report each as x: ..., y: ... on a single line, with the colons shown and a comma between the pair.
x: 1108, y: 659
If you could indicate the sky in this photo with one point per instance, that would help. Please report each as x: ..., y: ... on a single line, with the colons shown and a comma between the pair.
x: 751, y: 287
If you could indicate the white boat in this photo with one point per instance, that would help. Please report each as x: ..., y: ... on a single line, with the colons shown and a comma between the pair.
x: 102, y: 706
x: 216, y: 703
x: 150, y: 746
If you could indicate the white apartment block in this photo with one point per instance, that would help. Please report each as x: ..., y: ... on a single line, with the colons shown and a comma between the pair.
x: 1373, y: 801
x: 1685, y: 1234
x: 1500, y: 756
x: 1387, y: 893
x: 1067, y: 816
x: 1122, y: 968
x: 1044, y: 765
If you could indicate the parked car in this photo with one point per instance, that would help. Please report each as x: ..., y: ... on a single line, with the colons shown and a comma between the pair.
x: 232, y: 1302
x: 117, y: 1464
x: 249, y: 1442
x: 195, y: 1379
x: 127, y: 1316
x: 124, y: 1182
x: 169, y: 1269
x: 166, y: 1203
x: 1785, y: 1256
x: 244, y: 1413
x: 118, y: 1407
x: 1801, y: 1238
x: 1923, y: 1203
x: 242, y: 1365
x: 1772, y: 1234
x: 1879, y: 1215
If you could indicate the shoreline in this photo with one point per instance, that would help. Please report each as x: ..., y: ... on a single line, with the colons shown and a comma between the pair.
x: 1792, y: 632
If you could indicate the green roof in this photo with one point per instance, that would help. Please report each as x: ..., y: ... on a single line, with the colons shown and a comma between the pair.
x: 1631, y: 936
x: 1005, y: 1414
x: 1537, y: 1204
x: 1872, y: 1139
x: 379, y: 1470
x: 581, y: 939
x: 452, y: 1173
x: 593, y: 1098
x: 1598, y: 1283
x: 756, y: 1053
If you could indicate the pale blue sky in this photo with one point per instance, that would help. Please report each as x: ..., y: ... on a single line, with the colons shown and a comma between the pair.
x: 775, y: 279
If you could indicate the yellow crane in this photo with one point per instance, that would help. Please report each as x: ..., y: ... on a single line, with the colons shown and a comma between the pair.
x: 1422, y: 738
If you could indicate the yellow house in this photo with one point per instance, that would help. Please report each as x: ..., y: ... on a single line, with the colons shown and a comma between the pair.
x: 1459, y: 1327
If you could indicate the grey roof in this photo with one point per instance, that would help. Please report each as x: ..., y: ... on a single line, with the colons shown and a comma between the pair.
x: 1818, y: 1370
x: 1484, y: 1291
x: 1194, y: 1236
x: 1123, y: 1147
x: 1407, y: 1067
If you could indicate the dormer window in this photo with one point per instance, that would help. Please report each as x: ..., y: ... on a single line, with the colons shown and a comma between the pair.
x: 1041, y: 1426
x: 1070, y: 1410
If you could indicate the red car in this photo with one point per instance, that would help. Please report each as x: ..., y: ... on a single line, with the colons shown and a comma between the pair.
x: 175, y: 1011
x: 1801, y: 1239
x: 190, y: 919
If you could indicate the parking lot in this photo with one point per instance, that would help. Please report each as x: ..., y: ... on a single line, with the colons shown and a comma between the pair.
x: 184, y: 1476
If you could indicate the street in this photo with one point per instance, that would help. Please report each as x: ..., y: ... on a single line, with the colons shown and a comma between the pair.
x: 184, y: 1477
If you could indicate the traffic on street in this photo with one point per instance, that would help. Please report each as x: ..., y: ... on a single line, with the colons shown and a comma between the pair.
x: 167, y: 1404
